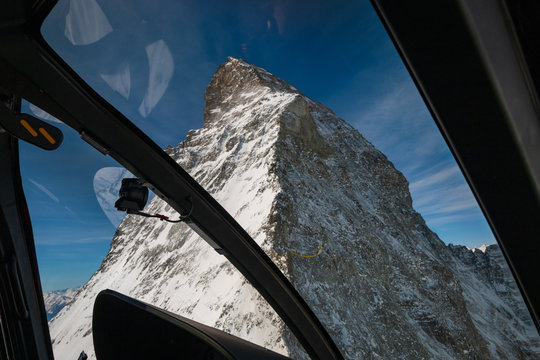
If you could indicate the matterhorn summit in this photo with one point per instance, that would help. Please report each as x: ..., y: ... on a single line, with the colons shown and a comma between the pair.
x: 334, y: 215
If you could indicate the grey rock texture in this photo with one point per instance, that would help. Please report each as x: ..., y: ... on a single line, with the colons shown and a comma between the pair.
x: 297, y: 177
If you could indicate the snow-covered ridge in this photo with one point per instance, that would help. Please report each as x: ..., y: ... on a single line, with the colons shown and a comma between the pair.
x: 296, y: 177
x: 482, y: 248
x: 55, y: 300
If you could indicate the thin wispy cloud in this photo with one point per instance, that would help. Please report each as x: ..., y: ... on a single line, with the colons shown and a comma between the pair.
x: 399, y: 107
x: 49, y: 209
x: 73, y: 239
x: 45, y: 191
x: 436, y: 178
x: 401, y: 99
x: 442, y: 191
x: 449, y: 219
x: 444, y: 199
x: 453, y: 205
x: 71, y: 212
x: 398, y: 123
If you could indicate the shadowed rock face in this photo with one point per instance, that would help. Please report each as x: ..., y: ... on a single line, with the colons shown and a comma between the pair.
x: 296, y: 177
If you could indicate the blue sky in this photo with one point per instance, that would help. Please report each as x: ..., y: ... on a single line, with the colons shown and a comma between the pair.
x: 153, y: 62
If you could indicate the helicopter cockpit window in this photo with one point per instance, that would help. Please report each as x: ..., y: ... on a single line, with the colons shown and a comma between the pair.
x: 302, y: 122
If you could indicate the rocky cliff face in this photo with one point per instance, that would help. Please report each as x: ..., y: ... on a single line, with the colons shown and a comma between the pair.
x: 494, y: 302
x: 297, y: 177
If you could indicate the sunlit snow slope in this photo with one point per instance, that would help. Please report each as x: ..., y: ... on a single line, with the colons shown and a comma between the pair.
x: 297, y: 177
x: 57, y: 299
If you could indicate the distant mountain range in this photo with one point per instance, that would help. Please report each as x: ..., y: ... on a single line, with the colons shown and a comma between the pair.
x: 299, y: 178
x: 57, y: 299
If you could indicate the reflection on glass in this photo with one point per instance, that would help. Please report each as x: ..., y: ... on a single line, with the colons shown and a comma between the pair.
x: 119, y: 81
x: 107, y: 182
x: 161, y: 66
x: 43, y: 114
x: 86, y: 23
x: 131, y: 60
x: 334, y: 213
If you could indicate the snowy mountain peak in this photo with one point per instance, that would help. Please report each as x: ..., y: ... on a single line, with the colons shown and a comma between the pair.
x: 299, y: 179
x: 482, y: 248
x: 237, y: 84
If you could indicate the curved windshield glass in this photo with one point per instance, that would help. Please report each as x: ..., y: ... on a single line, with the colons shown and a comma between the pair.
x: 302, y: 122
x: 85, y: 245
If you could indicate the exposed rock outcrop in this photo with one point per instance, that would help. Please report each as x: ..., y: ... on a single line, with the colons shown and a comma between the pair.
x: 296, y: 177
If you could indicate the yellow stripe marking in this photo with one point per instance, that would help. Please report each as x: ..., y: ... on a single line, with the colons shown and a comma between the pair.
x: 47, y: 136
x: 307, y: 256
x: 29, y: 128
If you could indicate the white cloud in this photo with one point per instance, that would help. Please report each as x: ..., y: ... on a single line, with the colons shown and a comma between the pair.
x: 45, y: 190
x: 86, y: 23
x: 444, y: 200
x: 449, y: 219
x: 442, y: 196
x: 452, y: 206
x: 436, y: 178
